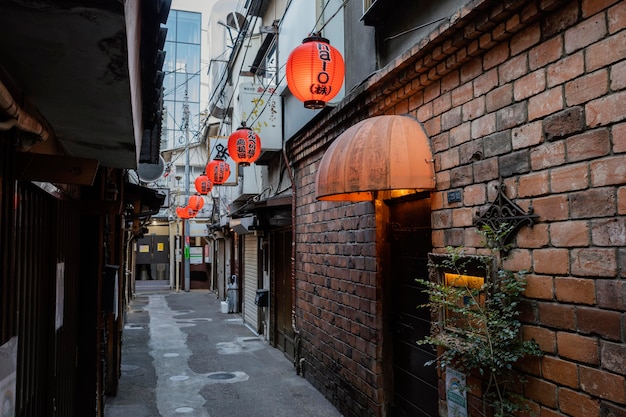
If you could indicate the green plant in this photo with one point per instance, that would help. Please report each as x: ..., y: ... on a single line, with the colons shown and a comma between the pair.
x: 477, y: 320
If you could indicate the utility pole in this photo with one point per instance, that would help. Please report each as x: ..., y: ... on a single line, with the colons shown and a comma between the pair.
x: 186, y: 267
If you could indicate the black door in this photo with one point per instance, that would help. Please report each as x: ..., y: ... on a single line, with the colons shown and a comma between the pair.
x: 414, y: 385
x: 283, y: 334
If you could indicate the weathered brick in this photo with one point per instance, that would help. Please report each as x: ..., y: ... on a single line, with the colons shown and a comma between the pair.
x: 540, y: 287
x: 499, y: 97
x: 611, y: 294
x: 621, y: 200
x: 564, y: 123
x: 533, y: 237
x: 528, y: 135
x: 451, y: 118
x: 618, y: 76
x: 551, y: 208
x: 550, y: 261
x: 545, y: 338
x: 547, y: 155
x: 566, y: 69
x: 565, y: 17
x: 602, y: 384
x: 591, y: 7
x: 449, y: 159
x: 604, y: 323
x: 441, y: 104
x: 518, y: 260
x: 569, y: 233
x: 609, y: 232
x: 462, y: 94
x: 475, y: 195
x: 612, y: 357
x: 569, y: 178
x: 495, y: 56
x: 586, y: 88
x: 557, y: 316
x: 608, y: 171
x: 513, y: 68
x: 577, y: 404
x: 484, y: 126
x: 471, y: 152
x: 511, y: 116
x: 606, y: 52
x: 486, y: 82
x: 611, y: 410
x: 497, y: 144
x: 575, y: 290
x: 514, y: 163
x: 576, y: 347
x: 588, y: 145
x: 560, y: 371
x: 530, y: 85
x: 461, y: 176
x: 597, y: 202
x: 460, y: 134
x: 548, y: 102
x: 545, y: 53
x: 540, y: 390
x: 525, y: 39
x: 594, y: 262
x: 471, y: 70
x: 487, y: 170
x: 617, y: 17
x: 534, y: 184
x: 585, y: 33
x: 473, y: 109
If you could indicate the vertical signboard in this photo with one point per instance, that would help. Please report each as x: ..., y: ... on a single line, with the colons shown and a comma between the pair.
x: 261, y: 109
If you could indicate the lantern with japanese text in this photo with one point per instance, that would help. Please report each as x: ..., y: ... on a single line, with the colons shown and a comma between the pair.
x: 203, y: 184
x: 218, y: 171
x: 185, y: 212
x: 244, y: 146
x: 315, y: 72
x: 196, y: 202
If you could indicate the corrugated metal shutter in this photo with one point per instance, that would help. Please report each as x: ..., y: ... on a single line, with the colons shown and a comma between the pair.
x: 251, y: 280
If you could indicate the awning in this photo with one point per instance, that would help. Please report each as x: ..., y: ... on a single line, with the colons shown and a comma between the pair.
x: 379, y: 157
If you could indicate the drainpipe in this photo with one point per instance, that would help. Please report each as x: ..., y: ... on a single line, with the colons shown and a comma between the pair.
x: 18, y: 117
x: 297, y: 361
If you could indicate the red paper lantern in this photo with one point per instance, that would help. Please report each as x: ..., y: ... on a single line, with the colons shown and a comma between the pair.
x: 196, y: 202
x: 203, y: 184
x: 315, y: 72
x: 218, y: 171
x: 185, y: 212
x: 244, y: 146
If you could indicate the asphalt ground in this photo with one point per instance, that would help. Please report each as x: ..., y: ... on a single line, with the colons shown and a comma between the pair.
x: 183, y: 357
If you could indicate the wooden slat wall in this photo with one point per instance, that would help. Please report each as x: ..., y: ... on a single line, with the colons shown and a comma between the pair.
x: 37, y: 231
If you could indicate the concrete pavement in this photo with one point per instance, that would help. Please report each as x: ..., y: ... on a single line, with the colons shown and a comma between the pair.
x: 182, y: 357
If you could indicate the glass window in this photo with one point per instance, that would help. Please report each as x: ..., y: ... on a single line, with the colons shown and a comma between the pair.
x: 188, y: 56
x: 188, y: 27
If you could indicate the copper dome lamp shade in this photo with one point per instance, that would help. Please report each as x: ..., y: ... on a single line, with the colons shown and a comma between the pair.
x: 380, y: 157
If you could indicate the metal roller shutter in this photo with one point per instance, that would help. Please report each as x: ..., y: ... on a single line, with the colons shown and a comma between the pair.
x: 251, y: 280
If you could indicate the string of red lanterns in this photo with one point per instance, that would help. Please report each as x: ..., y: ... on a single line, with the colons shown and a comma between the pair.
x: 315, y: 72
x: 203, y: 184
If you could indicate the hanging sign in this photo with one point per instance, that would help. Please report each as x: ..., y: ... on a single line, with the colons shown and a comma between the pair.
x: 261, y: 109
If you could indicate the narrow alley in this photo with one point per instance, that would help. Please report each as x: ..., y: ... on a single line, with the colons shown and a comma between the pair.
x: 181, y: 356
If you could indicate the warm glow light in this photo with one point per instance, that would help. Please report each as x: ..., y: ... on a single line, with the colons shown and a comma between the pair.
x: 382, y: 157
x: 244, y: 146
x: 218, y: 171
x: 468, y: 281
x: 203, y: 184
x: 315, y: 72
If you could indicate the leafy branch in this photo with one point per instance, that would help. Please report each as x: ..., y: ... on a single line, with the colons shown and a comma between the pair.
x: 476, y: 306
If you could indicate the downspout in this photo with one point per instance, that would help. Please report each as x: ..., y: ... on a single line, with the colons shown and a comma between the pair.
x: 18, y: 117
x: 297, y: 361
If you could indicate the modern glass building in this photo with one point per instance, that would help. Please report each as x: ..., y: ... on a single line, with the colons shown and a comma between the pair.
x: 182, y: 76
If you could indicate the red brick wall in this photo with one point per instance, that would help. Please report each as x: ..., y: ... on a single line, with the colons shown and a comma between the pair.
x: 337, y: 295
x: 537, y: 96
x: 546, y: 110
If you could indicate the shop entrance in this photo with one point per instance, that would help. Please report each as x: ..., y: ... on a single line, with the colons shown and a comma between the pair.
x: 414, y: 385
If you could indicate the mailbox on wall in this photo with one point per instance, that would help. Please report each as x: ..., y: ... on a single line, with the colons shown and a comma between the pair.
x: 262, y: 298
